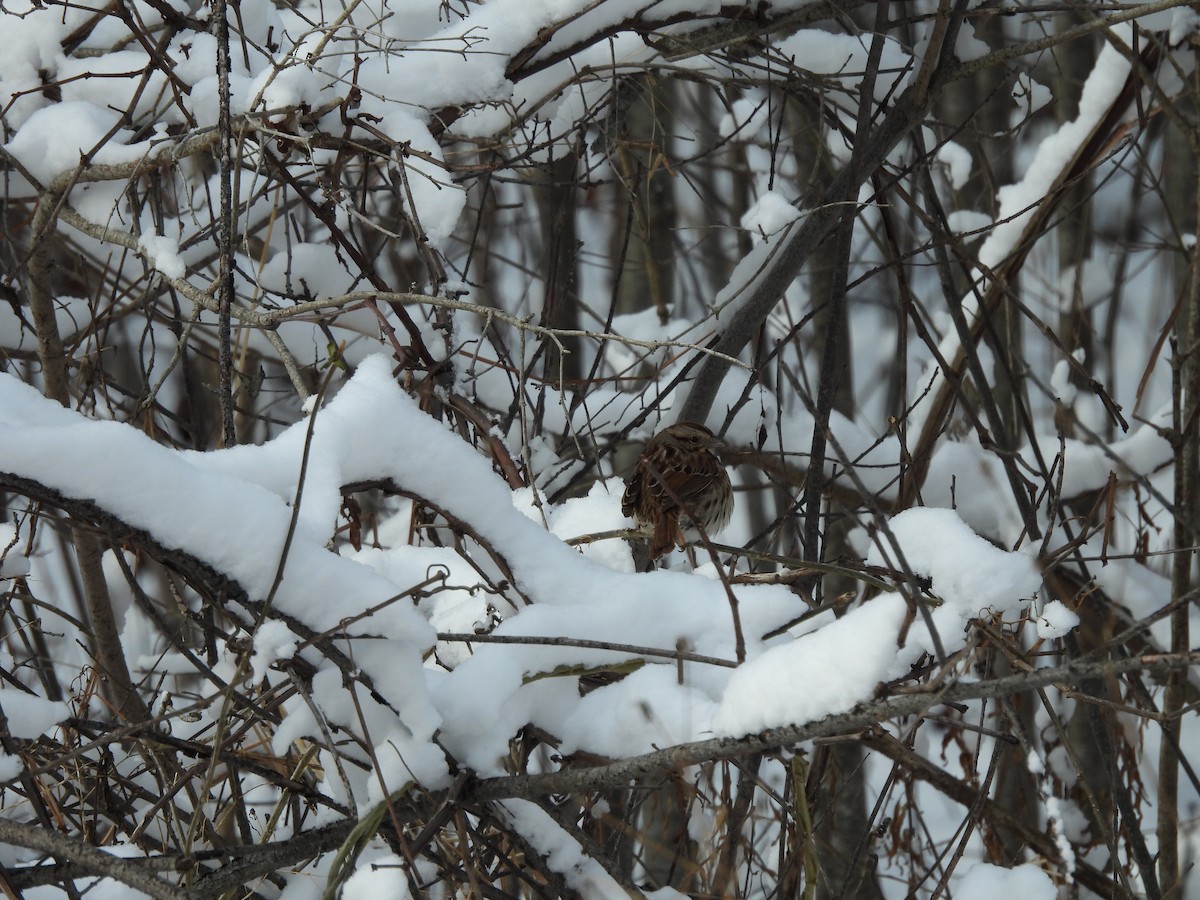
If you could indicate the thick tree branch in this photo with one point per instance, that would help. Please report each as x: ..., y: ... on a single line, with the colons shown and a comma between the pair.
x: 837, y: 204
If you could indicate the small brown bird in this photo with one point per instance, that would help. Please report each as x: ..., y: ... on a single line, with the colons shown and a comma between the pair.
x: 678, y: 482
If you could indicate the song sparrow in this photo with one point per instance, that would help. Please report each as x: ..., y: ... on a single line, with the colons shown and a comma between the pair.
x: 678, y: 481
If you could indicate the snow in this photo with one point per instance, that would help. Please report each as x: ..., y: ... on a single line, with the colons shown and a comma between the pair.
x: 30, y: 716
x: 379, y: 874
x: 13, y: 564
x: 32, y: 45
x: 826, y: 672
x: 311, y: 270
x: 10, y: 767
x: 289, y: 86
x: 845, y: 56
x: 562, y: 852
x: 1056, y: 822
x: 987, y: 882
x: 163, y: 253
x: 645, y: 710
x: 968, y: 46
x: 745, y: 114
x: 112, y: 81
x: 1087, y: 466
x: 147, y: 484
x: 203, y: 102
x: 957, y: 160
x: 599, y: 511
x: 93, y: 888
x: 273, y: 641
x: 1030, y: 94
x: 1060, y: 383
x: 770, y: 213
x: 54, y: 139
x: 195, y: 56
x: 1056, y: 620
x: 965, y: 221
x: 969, y: 573
x: 1019, y: 201
x: 440, y: 705
x: 1184, y: 23
x: 840, y: 665
x: 248, y: 490
x: 425, y: 188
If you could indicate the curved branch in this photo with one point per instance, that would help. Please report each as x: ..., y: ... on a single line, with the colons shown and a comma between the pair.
x: 865, y: 715
x: 210, y: 583
x: 89, y: 859
x: 766, y: 287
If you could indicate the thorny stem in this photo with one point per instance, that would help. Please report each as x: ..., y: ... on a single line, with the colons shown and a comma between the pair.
x: 1186, y: 393
x: 224, y: 225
